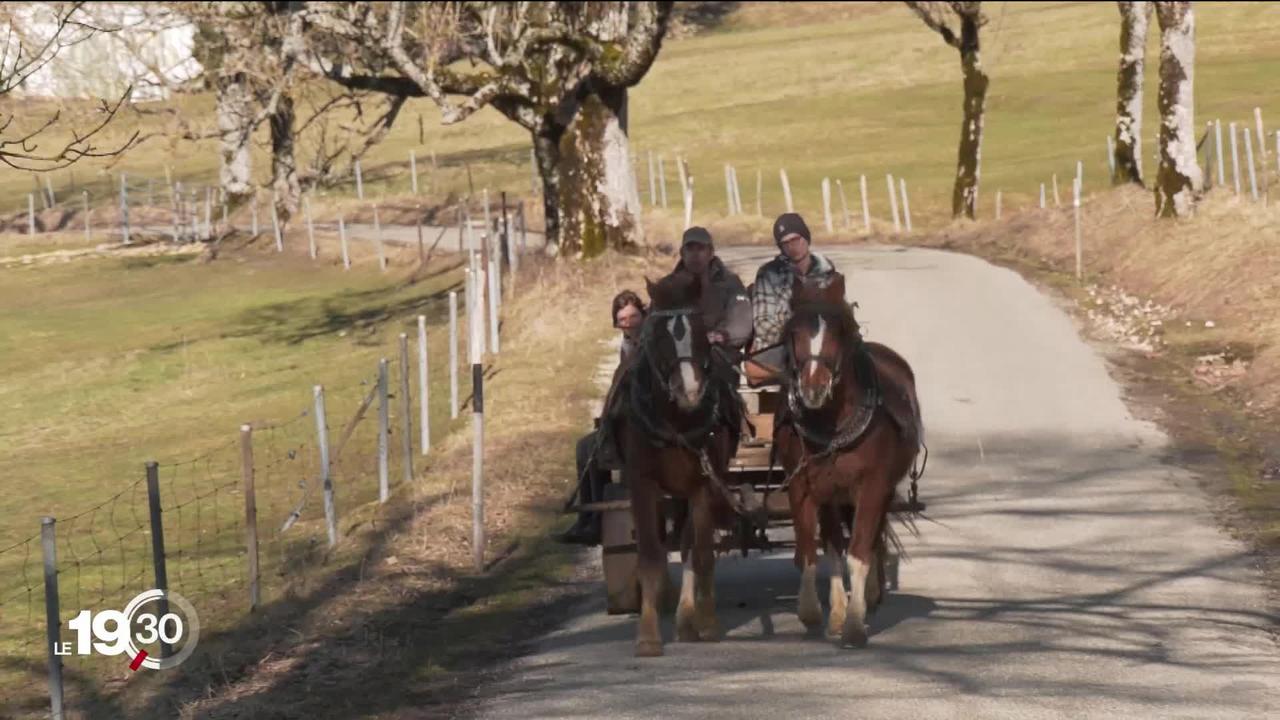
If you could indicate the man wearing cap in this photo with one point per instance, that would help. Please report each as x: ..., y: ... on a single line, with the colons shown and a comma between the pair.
x: 726, y: 310
x: 771, y: 293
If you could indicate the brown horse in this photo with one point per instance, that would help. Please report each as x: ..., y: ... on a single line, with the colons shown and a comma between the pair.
x: 849, y: 433
x: 675, y: 437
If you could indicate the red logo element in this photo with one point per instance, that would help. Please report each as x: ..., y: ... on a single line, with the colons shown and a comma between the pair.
x: 137, y: 662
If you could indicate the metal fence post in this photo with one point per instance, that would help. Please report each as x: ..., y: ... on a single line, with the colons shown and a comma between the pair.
x: 342, y: 236
x: 477, y: 466
x: 326, y: 479
x: 53, y: 620
x: 250, y: 513
x: 311, y: 229
x: 384, y: 429
x: 157, y: 545
x: 453, y: 354
x: 406, y: 410
x: 424, y: 388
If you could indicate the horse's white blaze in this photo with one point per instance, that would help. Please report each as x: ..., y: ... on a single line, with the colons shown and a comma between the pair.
x: 858, y: 587
x: 815, y: 342
x: 683, y: 336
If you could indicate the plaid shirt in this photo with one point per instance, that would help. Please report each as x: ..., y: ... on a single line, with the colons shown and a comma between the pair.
x: 771, y: 295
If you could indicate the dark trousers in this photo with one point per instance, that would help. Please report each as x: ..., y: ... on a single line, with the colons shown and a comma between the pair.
x: 591, y: 483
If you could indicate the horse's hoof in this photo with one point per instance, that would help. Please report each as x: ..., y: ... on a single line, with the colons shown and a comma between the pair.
x: 648, y: 648
x: 710, y: 633
x: 835, y: 630
x: 810, y: 616
x: 854, y: 636
x: 686, y: 632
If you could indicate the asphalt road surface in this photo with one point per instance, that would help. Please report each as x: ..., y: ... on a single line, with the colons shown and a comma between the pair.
x: 1070, y: 572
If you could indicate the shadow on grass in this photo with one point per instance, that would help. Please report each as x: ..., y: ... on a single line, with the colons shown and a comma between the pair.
x: 421, y: 649
x: 360, y: 312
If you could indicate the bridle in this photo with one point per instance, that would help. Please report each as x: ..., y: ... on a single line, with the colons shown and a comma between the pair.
x: 681, y: 329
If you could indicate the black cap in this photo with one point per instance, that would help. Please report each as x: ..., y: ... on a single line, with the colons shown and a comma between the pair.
x: 696, y: 234
x: 788, y: 224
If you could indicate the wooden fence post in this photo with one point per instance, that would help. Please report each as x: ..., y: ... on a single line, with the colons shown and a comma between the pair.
x: 1041, y: 196
x: 1057, y: 202
x: 1075, y: 204
x: 998, y: 203
x: 275, y: 227
x: 653, y: 182
x: 424, y: 388
x: 157, y: 545
x: 759, y: 192
x: 866, y: 210
x: 377, y: 240
x: 1248, y: 156
x: 728, y: 190
x: 477, y: 467
x: 124, y: 208
x: 453, y: 354
x: 250, y: 514
x: 826, y: 205
x: 52, y: 614
x: 311, y: 228
x: 893, y: 203
x: 326, y: 479
x: 786, y: 190
x: 1221, y: 160
x: 1235, y: 159
x: 342, y: 237
x: 906, y: 204
x: 1262, y: 138
x: 413, y: 170
x: 359, y: 181
x: 844, y: 205
x: 1111, y: 158
x: 406, y: 410
x: 662, y: 183
x: 31, y: 214
x: 384, y: 430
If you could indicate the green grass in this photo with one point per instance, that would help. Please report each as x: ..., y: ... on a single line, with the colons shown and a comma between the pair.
x: 853, y: 92
x: 108, y: 363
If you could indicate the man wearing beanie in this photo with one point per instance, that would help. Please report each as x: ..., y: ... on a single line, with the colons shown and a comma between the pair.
x: 726, y: 310
x: 771, y: 294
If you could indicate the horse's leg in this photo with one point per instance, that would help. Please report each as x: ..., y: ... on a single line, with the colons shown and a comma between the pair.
x: 704, y: 566
x: 686, y: 630
x: 875, y: 575
x: 804, y: 518
x: 870, y: 505
x: 652, y: 563
x: 833, y: 543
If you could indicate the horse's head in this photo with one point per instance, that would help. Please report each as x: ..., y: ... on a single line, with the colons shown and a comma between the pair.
x: 674, y: 339
x: 819, y: 337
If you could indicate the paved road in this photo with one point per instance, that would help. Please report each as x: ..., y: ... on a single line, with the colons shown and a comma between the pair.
x: 1070, y: 572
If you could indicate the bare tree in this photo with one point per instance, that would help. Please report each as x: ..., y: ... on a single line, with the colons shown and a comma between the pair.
x: 26, y: 49
x: 1134, y: 17
x: 560, y: 70
x: 1178, y: 177
x: 968, y: 20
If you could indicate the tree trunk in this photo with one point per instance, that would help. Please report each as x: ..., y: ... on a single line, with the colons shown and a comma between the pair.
x: 234, y: 112
x: 1133, y: 49
x: 964, y: 198
x: 1178, y: 178
x: 598, y: 208
x: 284, y: 170
x: 546, y: 150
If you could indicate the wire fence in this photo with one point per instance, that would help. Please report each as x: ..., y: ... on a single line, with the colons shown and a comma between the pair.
x: 242, y: 524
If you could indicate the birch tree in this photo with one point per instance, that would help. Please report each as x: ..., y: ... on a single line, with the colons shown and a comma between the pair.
x: 959, y: 23
x: 560, y: 70
x: 1178, y: 177
x: 1134, y: 18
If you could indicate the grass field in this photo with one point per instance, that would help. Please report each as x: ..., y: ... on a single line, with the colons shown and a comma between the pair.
x: 107, y: 363
x: 838, y: 91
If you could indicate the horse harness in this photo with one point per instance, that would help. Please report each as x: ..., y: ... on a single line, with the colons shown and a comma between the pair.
x: 695, y: 439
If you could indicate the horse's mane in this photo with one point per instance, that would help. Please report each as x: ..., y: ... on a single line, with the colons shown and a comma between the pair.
x: 679, y: 289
